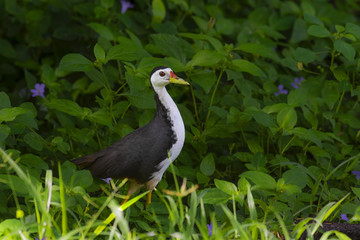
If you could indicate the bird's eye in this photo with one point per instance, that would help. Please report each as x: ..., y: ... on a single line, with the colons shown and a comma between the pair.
x: 161, y: 74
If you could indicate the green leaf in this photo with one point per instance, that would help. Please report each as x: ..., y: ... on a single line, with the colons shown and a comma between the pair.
x: 205, y: 78
x: 99, y: 53
x: 207, y: 165
x: 142, y: 100
x: 307, y: 134
x: 339, y: 28
x: 297, y: 97
x: 258, y: 49
x: 235, y: 116
x: 295, y: 176
x: 226, y: 187
x: 319, y: 152
x: 299, y: 31
x: 101, y: 117
x: 254, y: 146
x: 60, y: 144
x: 218, y: 46
x: 66, y: 106
x: 318, y: 31
x: 274, y: 108
x: 158, y: 11
x: 7, y: 50
x: 96, y: 76
x: 330, y: 93
x: 15, y: 183
x: 175, y: 64
x: 345, y: 49
x: 10, y: 225
x: 34, y: 141
x: 304, y: 55
x: 4, y: 100
x: 260, y: 179
x: 310, y: 117
x: 350, y: 119
x: 264, y: 119
x: 356, y: 191
x: 126, y: 50
x: 82, y: 178
x: 242, y: 65
x: 313, y: 19
x: 4, y: 132
x: 102, y: 30
x: 287, y: 118
x: 353, y: 29
x: 179, y: 48
x: 107, y: 3
x: 75, y: 62
x: 33, y: 161
x: 215, y: 196
x: 9, y: 114
x: 201, y: 178
x: 340, y: 74
x: 205, y: 58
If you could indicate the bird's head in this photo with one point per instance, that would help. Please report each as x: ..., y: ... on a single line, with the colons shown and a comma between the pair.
x: 162, y: 76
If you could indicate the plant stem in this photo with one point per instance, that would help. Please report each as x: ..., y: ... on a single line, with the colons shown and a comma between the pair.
x: 213, y: 95
x: 340, y: 101
x: 287, y: 145
x: 332, y: 58
x: 98, y: 137
x: 195, y: 107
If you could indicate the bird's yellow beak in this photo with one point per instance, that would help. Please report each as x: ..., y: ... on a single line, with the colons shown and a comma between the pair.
x: 176, y: 79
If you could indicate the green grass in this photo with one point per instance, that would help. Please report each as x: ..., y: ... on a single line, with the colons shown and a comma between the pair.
x: 51, y: 220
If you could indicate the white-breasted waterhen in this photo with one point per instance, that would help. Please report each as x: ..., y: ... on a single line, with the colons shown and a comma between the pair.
x: 142, y: 155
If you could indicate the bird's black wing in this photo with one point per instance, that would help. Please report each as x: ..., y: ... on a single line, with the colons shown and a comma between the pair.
x: 135, y: 156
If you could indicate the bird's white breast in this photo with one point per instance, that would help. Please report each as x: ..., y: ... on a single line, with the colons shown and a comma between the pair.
x: 177, y: 127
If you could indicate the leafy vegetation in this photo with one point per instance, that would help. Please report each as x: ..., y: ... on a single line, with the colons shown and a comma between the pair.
x: 272, y: 116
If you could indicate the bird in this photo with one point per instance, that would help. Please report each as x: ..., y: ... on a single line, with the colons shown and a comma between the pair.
x: 143, y: 155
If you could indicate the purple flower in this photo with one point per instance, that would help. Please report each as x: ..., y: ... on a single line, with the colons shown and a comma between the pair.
x: 297, y: 82
x: 281, y: 90
x: 357, y: 174
x: 107, y: 180
x: 344, y: 217
x: 210, y: 228
x: 125, y: 5
x: 38, y: 90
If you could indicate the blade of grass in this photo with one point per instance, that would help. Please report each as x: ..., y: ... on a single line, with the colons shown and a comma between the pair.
x: 111, y: 217
x: 325, y: 213
x: 40, y: 208
x: 300, y: 227
x: 338, y: 234
x: 282, y: 225
x: 235, y: 224
x: 342, y: 164
x: 251, y: 204
x: 117, y: 211
x: 63, y: 202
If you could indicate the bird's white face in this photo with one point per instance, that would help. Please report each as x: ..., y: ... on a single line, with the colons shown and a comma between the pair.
x: 163, y: 77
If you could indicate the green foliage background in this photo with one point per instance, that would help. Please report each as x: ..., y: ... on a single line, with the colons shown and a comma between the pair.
x: 291, y: 154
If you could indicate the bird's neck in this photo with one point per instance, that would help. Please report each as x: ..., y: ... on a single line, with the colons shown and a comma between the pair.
x: 164, y: 103
x: 167, y: 108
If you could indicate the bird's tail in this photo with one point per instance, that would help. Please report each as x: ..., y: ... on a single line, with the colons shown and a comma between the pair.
x: 85, y: 161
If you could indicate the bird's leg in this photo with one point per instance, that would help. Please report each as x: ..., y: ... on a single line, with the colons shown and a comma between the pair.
x: 126, y: 199
x: 133, y: 187
x: 150, y: 185
x: 148, y: 199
